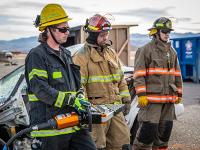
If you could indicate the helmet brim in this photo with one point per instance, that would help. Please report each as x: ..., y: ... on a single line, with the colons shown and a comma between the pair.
x: 43, y: 26
x: 158, y: 29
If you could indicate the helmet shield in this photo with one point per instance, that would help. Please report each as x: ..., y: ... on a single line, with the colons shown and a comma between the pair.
x: 97, y: 23
x: 162, y: 23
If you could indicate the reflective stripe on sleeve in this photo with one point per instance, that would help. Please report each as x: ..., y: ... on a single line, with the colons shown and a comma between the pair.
x: 139, y: 73
x: 140, y: 89
x: 32, y: 98
x: 177, y: 73
x: 37, y: 72
x: 60, y: 99
x: 124, y: 93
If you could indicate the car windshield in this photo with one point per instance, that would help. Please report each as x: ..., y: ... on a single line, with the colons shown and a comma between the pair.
x: 8, y: 83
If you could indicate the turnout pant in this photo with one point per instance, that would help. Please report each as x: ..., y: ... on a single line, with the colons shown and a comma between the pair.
x: 155, y: 126
x: 112, y: 135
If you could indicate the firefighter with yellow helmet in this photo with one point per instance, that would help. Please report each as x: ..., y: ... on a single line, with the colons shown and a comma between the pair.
x: 103, y: 80
x: 53, y: 81
x: 158, y: 84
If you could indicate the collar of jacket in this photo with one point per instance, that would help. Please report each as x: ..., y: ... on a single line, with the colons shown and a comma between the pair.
x: 94, y: 54
x: 161, y: 45
x: 51, y: 50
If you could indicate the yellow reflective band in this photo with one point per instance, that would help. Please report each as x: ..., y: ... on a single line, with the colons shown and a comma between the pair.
x: 124, y: 93
x: 117, y: 102
x: 47, y: 133
x: 57, y: 75
x: 159, y: 24
x: 60, y: 99
x: 102, y: 79
x: 83, y: 79
x: 32, y: 98
x: 93, y: 28
x: 39, y: 73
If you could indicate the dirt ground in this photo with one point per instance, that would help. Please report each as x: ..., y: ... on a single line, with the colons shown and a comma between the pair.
x: 186, y: 130
x: 5, y: 68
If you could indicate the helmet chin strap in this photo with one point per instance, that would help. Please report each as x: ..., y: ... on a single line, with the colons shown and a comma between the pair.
x: 52, y: 35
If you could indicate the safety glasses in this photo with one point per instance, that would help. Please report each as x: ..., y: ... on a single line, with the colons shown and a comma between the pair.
x: 165, y: 31
x: 63, y: 29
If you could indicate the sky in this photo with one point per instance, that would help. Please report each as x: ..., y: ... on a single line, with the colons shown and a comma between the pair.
x: 17, y: 16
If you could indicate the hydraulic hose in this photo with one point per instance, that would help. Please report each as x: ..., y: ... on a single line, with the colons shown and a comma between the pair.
x: 7, y: 145
x: 50, y: 124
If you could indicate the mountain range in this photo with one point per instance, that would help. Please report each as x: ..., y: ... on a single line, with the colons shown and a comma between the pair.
x: 138, y: 40
x: 25, y: 44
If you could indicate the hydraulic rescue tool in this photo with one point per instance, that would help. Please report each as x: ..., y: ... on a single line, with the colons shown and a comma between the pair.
x: 95, y: 114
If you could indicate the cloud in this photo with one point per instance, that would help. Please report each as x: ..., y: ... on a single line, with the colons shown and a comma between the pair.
x: 41, y: 5
x: 147, y: 14
x: 189, y: 29
x: 183, y: 19
x: 196, y: 23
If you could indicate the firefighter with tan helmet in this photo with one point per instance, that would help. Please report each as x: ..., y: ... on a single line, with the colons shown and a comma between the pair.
x: 103, y: 80
x: 158, y: 84
x: 53, y: 81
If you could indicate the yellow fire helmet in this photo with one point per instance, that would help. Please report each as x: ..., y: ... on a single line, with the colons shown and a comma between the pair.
x: 162, y: 23
x: 51, y: 14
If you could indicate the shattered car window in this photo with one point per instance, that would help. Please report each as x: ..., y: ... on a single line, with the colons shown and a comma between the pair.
x: 8, y: 83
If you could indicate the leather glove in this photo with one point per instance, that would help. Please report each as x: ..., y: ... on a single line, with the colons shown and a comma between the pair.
x: 179, y: 100
x: 143, y: 101
x: 127, y: 106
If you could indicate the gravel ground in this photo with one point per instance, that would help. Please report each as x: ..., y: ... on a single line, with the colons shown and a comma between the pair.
x: 186, y: 130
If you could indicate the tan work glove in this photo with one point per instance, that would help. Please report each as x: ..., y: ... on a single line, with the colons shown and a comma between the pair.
x: 143, y: 101
x: 179, y: 100
x: 127, y: 106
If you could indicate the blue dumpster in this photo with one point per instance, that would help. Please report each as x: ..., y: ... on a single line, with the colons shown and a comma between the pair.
x: 188, y: 50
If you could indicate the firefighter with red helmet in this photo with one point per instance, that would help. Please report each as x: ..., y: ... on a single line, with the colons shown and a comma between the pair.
x: 158, y: 84
x: 103, y: 80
